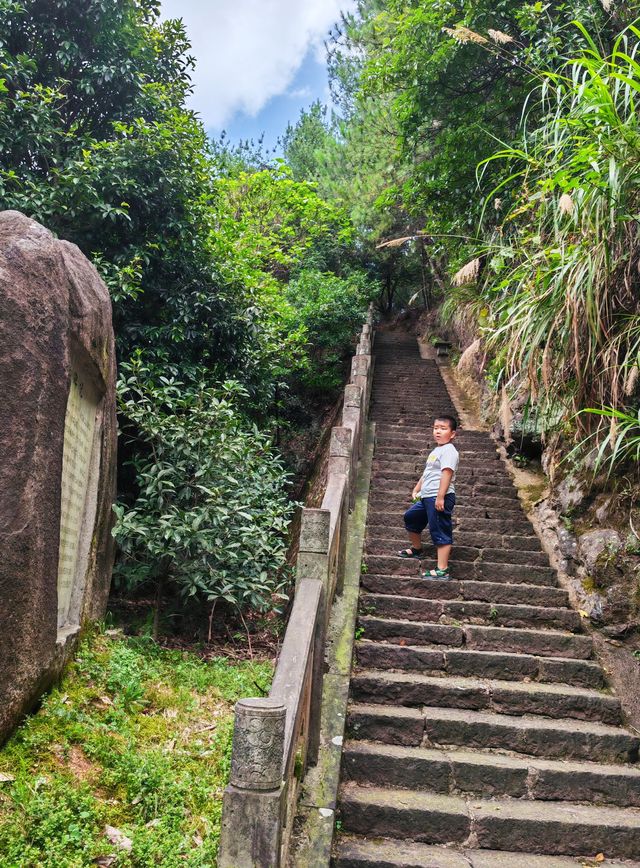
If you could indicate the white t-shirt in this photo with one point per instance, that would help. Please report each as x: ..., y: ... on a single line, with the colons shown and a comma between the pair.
x: 441, y: 458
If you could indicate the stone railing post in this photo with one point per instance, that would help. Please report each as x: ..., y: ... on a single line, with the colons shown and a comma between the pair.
x: 359, y: 370
x: 352, y: 418
x: 313, y: 563
x: 340, y: 452
x: 364, y: 346
x: 313, y: 550
x: 254, y: 801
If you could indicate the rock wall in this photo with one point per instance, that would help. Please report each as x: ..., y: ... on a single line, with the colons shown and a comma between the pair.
x: 57, y: 440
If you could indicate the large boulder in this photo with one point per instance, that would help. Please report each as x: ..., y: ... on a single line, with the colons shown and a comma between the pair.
x: 57, y: 455
x: 596, y: 544
x: 471, y: 361
x: 569, y: 493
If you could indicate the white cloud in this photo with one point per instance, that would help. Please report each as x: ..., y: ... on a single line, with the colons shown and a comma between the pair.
x: 248, y: 51
x: 300, y: 93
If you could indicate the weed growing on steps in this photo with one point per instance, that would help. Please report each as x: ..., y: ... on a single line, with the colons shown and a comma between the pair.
x: 136, y: 737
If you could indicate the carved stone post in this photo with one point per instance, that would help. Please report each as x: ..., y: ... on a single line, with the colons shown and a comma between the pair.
x: 360, y: 368
x: 364, y: 346
x: 254, y: 801
x: 340, y: 451
x: 313, y: 563
x: 313, y: 551
x: 352, y: 418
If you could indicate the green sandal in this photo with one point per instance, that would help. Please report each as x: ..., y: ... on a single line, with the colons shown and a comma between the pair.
x: 436, y: 574
x: 418, y: 554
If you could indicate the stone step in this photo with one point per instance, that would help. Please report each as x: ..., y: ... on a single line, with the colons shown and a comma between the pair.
x: 411, y: 440
x: 466, y: 490
x: 496, y: 572
x: 465, y: 437
x: 433, y: 660
x: 380, y: 412
x: 468, y: 486
x: 401, y: 483
x: 503, y: 697
x: 468, y: 554
x: 483, y: 730
x: 461, y: 524
x: 469, y: 611
x: 541, y: 643
x: 419, y: 436
x: 420, y: 394
x: 395, y: 537
x: 490, y: 774
x: 507, y: 824
x: 401, y: 466
x: 425, y: 418
x: 410, y: 450
x: 469, y: 493
x: 396, y: 509
x: 407, y: 448
x: 354, y: 852
x: 452, y: 589
x: 468, y: 470
x: 400, y: 463
x: 398, y: 501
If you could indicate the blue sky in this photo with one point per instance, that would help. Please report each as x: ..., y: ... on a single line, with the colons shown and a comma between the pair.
x: 258, y: 61
x: 310, y: 83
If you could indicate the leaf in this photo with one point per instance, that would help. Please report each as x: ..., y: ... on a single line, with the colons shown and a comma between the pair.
x: 6, y: 778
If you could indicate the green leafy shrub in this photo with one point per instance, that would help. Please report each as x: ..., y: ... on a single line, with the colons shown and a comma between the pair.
x: 557, y: 294
x: 212, y: 512
x: 331, y: 310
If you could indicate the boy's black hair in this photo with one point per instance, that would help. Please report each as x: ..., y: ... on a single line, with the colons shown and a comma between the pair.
x: 453, y: 422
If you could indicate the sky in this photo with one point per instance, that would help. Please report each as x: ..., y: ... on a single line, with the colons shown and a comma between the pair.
x: 258, y: 61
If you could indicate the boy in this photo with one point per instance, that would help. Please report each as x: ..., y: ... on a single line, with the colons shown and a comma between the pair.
x: 437, y: 498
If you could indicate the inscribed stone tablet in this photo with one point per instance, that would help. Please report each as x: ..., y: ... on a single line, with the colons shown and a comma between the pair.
x: 80, y: 421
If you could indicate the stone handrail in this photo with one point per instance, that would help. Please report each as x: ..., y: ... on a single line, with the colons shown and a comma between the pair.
x: 277, y: 737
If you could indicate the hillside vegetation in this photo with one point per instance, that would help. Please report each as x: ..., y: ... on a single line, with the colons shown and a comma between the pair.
x: 237, y: 290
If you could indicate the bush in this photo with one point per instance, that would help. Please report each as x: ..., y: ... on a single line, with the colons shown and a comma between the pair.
x: 331, y: 310
x: 212, y: 512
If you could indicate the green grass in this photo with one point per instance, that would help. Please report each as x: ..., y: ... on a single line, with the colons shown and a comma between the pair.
x: 136, y: 737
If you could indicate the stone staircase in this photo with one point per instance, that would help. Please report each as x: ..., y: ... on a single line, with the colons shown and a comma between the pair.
x: 480, y: 729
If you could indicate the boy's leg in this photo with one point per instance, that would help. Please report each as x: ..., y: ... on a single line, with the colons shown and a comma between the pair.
x: 415, y: 539
x: 415, y: 521
x: 444, y: 553
x: 441, y: 529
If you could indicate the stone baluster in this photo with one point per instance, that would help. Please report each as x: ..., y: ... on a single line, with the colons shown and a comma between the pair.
x: 340, y: 452
x: 313, y: 563
x: 352, y: 419
x: 254, y: 801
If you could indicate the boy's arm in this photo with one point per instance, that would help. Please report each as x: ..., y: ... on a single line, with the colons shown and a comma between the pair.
x: 416, y: 488
x: 445, y: 480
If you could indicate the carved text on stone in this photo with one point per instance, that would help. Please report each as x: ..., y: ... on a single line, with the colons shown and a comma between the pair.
x: 79, y: 430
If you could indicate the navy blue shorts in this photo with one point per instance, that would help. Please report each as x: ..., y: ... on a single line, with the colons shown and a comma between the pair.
x: 424, y: 513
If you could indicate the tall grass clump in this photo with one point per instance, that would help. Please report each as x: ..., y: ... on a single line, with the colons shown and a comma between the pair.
x: 558, y: 294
